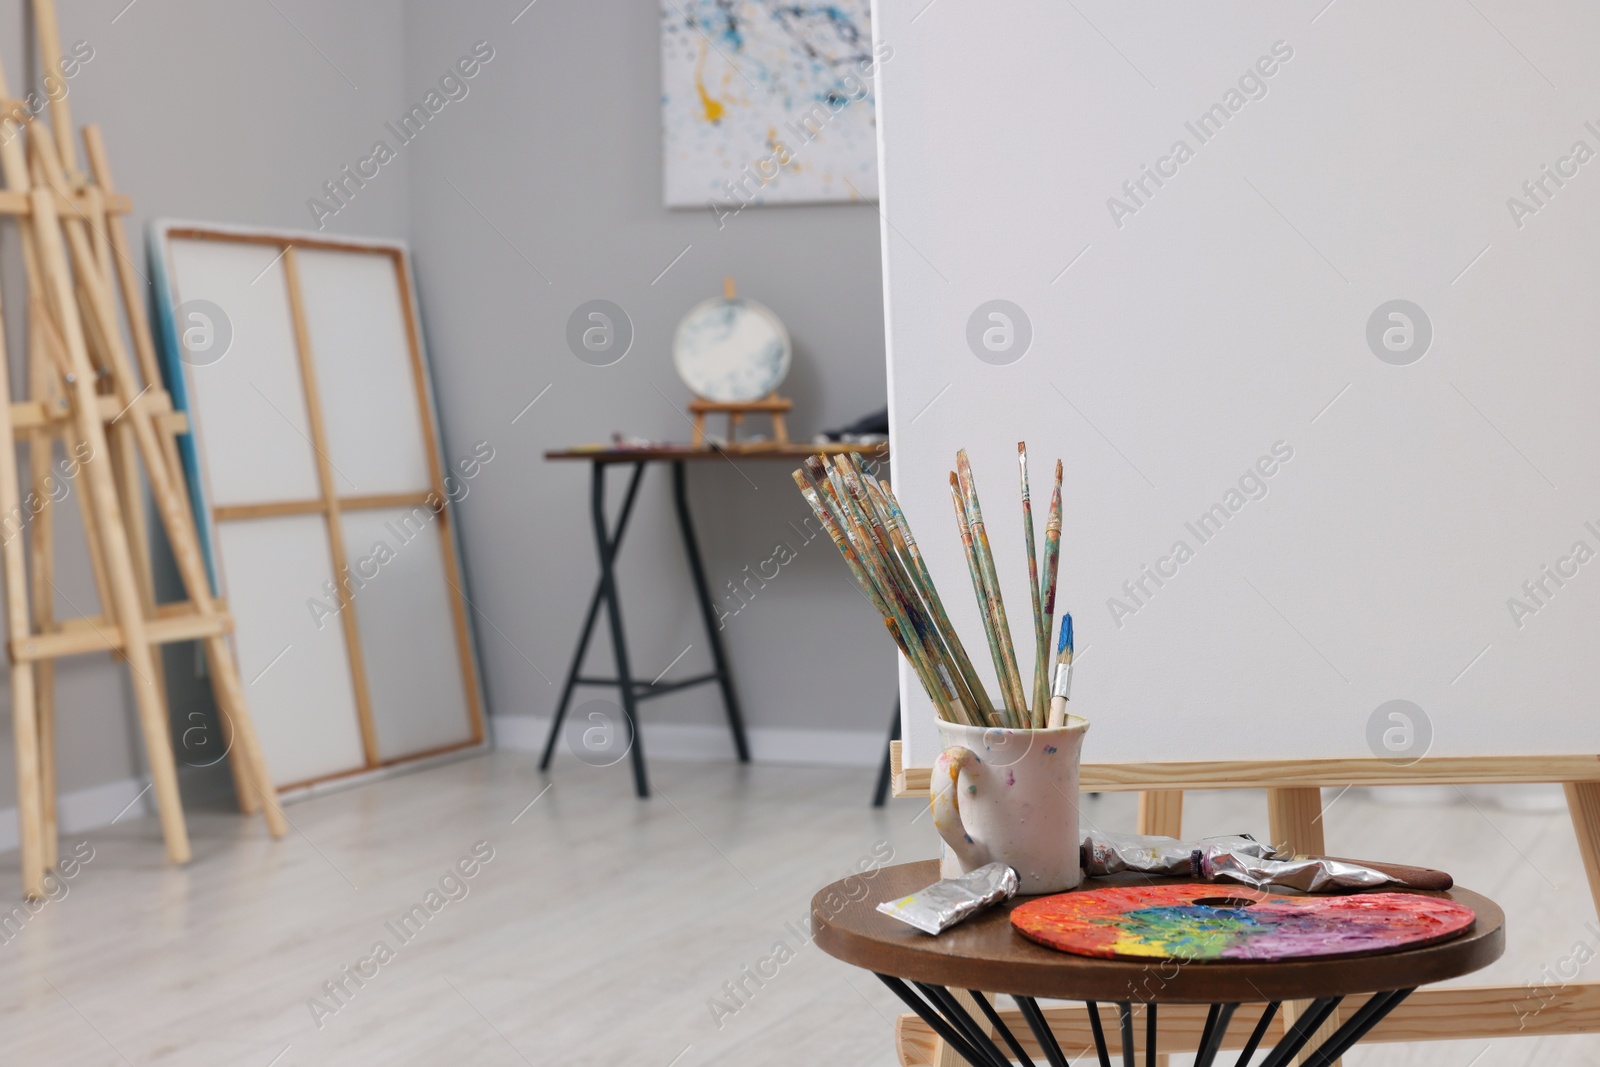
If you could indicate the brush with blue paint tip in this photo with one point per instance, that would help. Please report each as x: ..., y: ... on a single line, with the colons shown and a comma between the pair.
x: 1061, y: 684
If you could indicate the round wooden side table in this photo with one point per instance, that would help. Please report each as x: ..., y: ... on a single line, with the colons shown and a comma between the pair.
x: 985, y: 956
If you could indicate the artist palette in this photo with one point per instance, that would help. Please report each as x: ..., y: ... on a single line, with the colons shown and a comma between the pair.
x: 1215, y: 922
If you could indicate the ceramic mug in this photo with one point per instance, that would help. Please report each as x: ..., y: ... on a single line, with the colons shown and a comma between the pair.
x: 1010, y: 796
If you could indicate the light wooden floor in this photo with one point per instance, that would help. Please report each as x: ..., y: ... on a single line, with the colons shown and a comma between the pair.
x: 600, y: 928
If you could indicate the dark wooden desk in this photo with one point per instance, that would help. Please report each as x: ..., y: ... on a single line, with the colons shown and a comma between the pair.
x: 608, y: 540
x: 985, y: 954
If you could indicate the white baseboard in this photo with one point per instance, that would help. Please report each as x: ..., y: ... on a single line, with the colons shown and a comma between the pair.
x: 86, y: 809
x: 99, y: 805
x: 698, y: 741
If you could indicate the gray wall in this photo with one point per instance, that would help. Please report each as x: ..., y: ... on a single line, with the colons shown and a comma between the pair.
x: 558, y: 146
x: 237, y: 113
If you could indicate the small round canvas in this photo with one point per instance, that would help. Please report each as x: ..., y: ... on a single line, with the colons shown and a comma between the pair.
x: 1220, y: 922
x: 731, y: 350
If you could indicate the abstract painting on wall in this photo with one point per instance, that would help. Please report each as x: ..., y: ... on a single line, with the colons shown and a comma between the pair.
x: 766, y: 102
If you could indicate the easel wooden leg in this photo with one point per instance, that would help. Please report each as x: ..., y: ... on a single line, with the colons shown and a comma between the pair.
x: 41, y: 543
x: 24, y: 724
x: 44, y: 671
x: 943, y: 1054
x: 96, y: 474
x: 252, y: 771
x: 1583, y: 803
x: 100, y: 307
x: 1294, y: 818
x: 1161, y: 812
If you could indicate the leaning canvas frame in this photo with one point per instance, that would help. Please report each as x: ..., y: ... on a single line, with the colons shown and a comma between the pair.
x: 328, y: 503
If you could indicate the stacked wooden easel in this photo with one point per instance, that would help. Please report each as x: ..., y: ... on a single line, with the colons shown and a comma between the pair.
x: 112, y: 422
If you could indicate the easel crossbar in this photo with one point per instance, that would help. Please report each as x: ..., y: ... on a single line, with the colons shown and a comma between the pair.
x: 1300, y: 774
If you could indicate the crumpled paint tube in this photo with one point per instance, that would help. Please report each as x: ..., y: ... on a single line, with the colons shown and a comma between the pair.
x: 1215, y: 864
x: 1104, y: 853
x: 946, y: 902
x: 1242, y: 859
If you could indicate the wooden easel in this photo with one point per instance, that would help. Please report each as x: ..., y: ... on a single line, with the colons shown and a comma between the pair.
x: 772, y: 404
x: 1294, y: 809
x: 85, y: 393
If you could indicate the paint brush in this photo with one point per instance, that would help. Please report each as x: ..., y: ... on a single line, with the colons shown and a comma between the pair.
x: 900, y: 544
x: 1061, y: 685
x: 904, y: 607
x: 993, y: 601
x: 1008, y: 716
x: 873, y: 582
x: 1052, y: 549
x: 958, y: 651
x: 1041, y: 625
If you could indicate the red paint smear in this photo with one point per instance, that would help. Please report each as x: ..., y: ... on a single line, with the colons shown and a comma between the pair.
x: 1092, y: 922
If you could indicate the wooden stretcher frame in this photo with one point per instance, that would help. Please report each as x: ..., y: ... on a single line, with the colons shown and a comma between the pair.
x: 1294, y: 810
x: 329, y: 503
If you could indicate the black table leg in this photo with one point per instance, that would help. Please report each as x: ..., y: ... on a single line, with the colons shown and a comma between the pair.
x: 603, y: 543
x: 979, y: 1038
x: 1216, y: 1030
x: 881, y: 794
x: 1256, y: 1035
x: 1041, y: 1031
x: 1001, y: 1028
x: 1297, y: 1035
x: 619, y: 642
x: 572, y: 678
x: 947, y: 1033
x: 970, y: 1040
x: 1099, y: 1033
x: 708, y: 613
x: 1355, y: 1028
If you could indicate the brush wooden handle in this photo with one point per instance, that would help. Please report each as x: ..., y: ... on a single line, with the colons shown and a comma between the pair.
x: 1410, y: 877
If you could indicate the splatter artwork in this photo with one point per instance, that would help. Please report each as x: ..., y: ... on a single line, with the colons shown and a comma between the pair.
x: 1219, y: 922
x: 764, y: 102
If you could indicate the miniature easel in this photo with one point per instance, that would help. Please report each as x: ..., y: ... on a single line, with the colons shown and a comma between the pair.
x: 1294, y: 809
x: 771, y: 404
x: 85, y: 393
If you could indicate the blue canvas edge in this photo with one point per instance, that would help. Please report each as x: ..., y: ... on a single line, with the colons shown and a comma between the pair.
x: 165, y: 328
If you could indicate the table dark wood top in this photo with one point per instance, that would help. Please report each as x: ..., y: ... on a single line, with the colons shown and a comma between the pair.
x: 985, y: 953
x: 608, y: 454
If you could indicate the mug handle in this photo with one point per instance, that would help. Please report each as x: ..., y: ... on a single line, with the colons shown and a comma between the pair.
x: 945, y: 801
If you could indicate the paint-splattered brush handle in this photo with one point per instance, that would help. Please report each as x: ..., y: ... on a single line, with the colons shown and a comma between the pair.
x: 1041, y: 624
x: 1009, y: 716
x: 993, y: 601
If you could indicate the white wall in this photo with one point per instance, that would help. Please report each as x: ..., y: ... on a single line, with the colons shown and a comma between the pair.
x: 1229, y: 313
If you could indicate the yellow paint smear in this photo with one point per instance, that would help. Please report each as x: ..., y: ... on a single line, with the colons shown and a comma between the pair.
x: 713, y: 107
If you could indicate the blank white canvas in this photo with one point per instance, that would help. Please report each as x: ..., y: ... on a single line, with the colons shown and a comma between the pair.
x: 251, y: 402
x: 407, y: 638
x: 292, y: 657
x: 362, y: 355
x: 1174, y: 345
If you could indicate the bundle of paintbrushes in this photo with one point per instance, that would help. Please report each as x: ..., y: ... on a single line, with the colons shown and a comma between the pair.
x: 864, y: 519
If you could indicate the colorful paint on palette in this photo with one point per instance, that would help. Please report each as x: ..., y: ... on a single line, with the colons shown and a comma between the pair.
x: 1220, y: 922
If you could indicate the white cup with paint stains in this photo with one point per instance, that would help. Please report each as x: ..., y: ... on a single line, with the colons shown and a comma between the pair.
x: 1010, y: 796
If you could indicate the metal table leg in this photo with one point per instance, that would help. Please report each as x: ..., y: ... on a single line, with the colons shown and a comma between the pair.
x: 604, y: 542
x: 971, y: 1040
x: 708, y: 613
